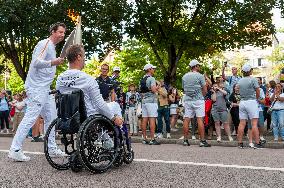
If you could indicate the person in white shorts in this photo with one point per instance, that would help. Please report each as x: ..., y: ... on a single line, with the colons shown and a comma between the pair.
x: 40, y: 76
x: 194, y: 87
x: 248, y: 107
x: 148, y: 89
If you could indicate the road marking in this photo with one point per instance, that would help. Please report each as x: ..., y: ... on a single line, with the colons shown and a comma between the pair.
x: 186, y: 163
x: 211, y: 165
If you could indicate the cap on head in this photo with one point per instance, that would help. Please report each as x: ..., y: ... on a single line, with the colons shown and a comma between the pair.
x: 116, y: 69
x: 246, y: 68
x: 193, y: 63
x: 149, y: 66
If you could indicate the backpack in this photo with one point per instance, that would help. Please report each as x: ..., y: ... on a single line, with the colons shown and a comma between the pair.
x: 143, y: 86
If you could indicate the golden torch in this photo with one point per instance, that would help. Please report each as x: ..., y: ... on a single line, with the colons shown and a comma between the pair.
x: 76, y: 35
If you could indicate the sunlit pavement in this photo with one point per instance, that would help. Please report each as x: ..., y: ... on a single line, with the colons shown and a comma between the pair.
x: 167, y: 165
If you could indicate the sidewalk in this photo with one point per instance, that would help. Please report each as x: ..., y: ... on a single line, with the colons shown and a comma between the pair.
x: 270, y: 143
x: 176, y: 135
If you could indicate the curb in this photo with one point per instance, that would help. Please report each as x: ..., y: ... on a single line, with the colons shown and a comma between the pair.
x: 225, y: 143
x: 272, y: 145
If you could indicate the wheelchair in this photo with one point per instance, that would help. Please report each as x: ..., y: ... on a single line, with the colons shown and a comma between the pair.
x: 93, y: 142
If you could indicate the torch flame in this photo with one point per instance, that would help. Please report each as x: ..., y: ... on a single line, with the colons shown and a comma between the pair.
x: 74, y: 16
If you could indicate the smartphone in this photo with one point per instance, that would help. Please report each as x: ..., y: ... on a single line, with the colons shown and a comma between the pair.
x: 225, y: 63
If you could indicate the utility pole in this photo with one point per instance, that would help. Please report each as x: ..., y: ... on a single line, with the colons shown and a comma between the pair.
x: 5, y: 75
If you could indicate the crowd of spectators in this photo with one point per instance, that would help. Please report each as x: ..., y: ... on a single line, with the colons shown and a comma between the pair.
x: 158, y: 106
x: 12, y: 110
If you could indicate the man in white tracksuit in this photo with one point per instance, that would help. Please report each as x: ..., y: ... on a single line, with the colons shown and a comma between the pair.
x: 39, y: 102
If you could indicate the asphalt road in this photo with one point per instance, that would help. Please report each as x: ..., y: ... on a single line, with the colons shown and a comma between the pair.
x: 167, y: 165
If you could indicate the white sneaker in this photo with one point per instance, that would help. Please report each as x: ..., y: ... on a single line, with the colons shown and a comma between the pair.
x: 168, y: 135
x: 234, y: 133
x: 231, y: 139
x: 174, y: 129
x: 251, y: 145
x: 159, y: 135
x: 181, y: 138
x: 57, y: 153
x: 219, y: 139
x: 193, y: 137
x: 275, y: 139
x: 18, y: 156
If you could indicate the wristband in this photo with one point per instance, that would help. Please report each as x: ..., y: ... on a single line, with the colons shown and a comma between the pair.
x: 114, y: 117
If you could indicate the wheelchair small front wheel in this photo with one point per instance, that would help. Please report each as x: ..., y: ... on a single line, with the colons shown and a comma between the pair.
x: 96, y: 144
x: 53, y: 138
x: 128, y: 156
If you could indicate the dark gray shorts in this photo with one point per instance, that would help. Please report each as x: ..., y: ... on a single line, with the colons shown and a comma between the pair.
x: 220, y: 116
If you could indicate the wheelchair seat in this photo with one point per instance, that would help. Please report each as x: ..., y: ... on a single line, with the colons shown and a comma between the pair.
x: 71, y: 110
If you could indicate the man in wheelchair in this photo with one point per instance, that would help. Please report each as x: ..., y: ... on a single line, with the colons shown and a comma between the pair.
x: 74, y: 79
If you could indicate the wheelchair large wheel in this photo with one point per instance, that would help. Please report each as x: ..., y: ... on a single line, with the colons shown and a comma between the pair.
x: 96, y: 144
x: 59, y: 163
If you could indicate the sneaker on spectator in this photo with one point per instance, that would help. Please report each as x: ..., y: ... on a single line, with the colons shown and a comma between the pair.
x: 234, y: 133
x: 159, y: 135
x: 203, y: 143
x: 258, y: 146
x: 186, y: 143
x: 145, y: 142
x: 56, y: 152
x: 154, y: 142
x: 275, y: 139
x: 174, y: 129
x: 37, y: 139
x: 262, y: 140
x: 219, y: 139
x: 241, y: 145
x: 222, y: 127
x: 169, y: 135
x: 181, y: 138
x: 193, y: 137
x: 18, y: 156
x: 251, y: 145
x: 231, y: 139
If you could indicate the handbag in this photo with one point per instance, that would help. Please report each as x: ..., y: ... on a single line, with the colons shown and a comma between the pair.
x: 270, y: 109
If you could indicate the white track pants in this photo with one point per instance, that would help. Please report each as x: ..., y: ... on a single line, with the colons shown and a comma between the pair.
x: 38, y: 103
x: 132, y: 120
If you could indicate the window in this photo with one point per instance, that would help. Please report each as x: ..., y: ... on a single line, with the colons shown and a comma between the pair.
x: 259, y: 62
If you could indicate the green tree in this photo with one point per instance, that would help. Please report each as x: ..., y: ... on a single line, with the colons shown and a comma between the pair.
x: 195, y: 28
x: 23, y: 24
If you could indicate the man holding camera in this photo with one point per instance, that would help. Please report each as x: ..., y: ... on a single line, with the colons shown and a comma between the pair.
x: 194, y: 86
x: 148, y: 90
x: 232, y: 80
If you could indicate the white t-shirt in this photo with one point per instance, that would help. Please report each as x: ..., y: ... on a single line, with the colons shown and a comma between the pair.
x: 278, y: 104
x: 76, y: 79
x: 20, y: 105
x: 261, y: 97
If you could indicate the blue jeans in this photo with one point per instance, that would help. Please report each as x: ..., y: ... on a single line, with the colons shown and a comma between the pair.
x: 163, y: 112
x: 277, y: 118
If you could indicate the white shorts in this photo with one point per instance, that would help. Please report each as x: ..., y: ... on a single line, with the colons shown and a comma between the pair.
x: 150, y: 110
x: 248, y: 109
x: 173, y: 109
x: 193, y: 108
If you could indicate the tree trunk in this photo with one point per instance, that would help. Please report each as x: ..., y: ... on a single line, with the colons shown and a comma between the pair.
x: 20, y: 70
x: 170, y: 75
